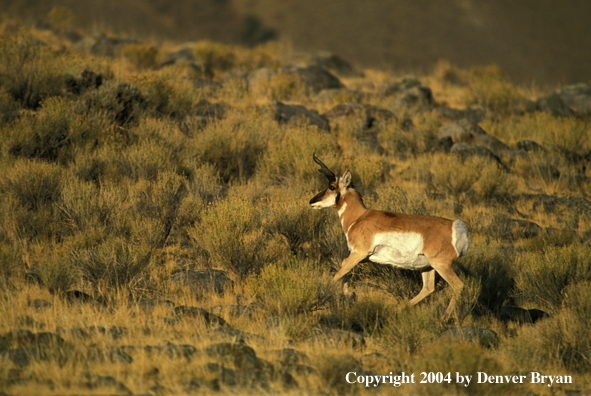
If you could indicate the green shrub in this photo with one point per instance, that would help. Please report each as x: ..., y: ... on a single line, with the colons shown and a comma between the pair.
x: 368, y: 172
x: 453, y: 176
x: 51, y: 133
x: 282, y: 86
x: 413, y: 328
x: 84, y: 207
x: 292, y: 286
x: 166, y: 94
x: 545, y: 275
x: 33, y: 184
x: 141, y: 56
x: 214, y: 56
x: 396, y: 199
x: 490, y: 86
x: 559, y: 341
x: 61, y: 19
x: 288, y: 157
x: 494, y: 183
x: 398, y: 142
x: 291, y: 217
x: 231, y: 236
x: 114, y: 265
x: 493, y: 271
x: 568, y: 133
x: 57, y: 272
x: 118, y: 102
x: 157, y: 207
x: 30, y: 70
x: 234, y: 144
x: 371, y: 314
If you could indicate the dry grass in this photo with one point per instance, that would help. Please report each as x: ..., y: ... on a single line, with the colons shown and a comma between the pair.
x: 117, y: 189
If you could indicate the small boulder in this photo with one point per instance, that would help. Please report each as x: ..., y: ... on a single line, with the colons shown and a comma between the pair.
x: 205, y: 280
x: 336, y: 64
x: 410, y: 92
x: 578, y: 98
x: 464, y: 151
x: 297, y: 113
x: 39, y: 304
x: 485, y: 337
x: 529, y: 146
x: 314, y: 77
x: 338, y: 337
x: 521, y: 315
x: 184, y: 311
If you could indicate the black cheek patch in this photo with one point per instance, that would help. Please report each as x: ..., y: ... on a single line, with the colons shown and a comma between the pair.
x: 317, y: 198
x: 336, y: 200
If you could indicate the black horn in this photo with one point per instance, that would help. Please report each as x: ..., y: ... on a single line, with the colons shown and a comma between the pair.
x: 324, y: 169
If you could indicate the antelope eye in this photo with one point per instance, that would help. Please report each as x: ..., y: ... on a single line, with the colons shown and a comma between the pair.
x: 332, y: 188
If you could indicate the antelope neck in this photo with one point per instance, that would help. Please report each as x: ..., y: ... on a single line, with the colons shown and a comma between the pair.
x: 350, y: 207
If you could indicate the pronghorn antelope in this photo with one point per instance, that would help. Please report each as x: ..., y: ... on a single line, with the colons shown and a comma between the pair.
x: 413, y: 242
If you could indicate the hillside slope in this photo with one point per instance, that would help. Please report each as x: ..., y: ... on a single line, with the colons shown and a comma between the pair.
x: 543, y: 41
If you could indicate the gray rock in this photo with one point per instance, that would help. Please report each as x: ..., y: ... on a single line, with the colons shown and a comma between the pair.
x: 39, y: 304
x: 78, y: 296
x: 234, y: 335
x: 348, y: 109
x: 297, y: 113
x: 23, y: 356
x: 240, y: 355
x: 573, y: 100
x: 225, y: 375
x: 485, y: 337
x: 93, y: 381
x: 184, y: 56
x: 337, y: 337
x: 492, y: 143
x: 290, y: 357
x: 521, y: 315
x: 150, y: 303
x: 235, y: 311
x: 205, y: 280
x: 210, y: 319
x: 33, y: 278
x: 194, y: 384
x: 335, y: 64
x: 507, y: 228
x: 104, y: 45
x: 464, y: 151
x: 553, y: 104
x: 170, y: 350
x: 529, y: 146
x: 578, y: 98
x: 454, y: 131
x: 443, y: 144
x: 463, y: 130
x: 314, y: 77
x: 410, y: 92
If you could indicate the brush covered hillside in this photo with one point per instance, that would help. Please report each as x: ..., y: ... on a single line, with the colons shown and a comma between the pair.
x: 157, y: 237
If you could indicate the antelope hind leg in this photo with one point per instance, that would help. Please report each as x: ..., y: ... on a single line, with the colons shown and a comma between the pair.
x: 428, y: 286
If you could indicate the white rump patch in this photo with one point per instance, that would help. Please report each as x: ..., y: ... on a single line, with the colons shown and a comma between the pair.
x: 459, y: 238
x: 404, y: 250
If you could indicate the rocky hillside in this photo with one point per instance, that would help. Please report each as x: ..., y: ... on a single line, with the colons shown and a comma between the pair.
x: 543, y: 42
x: 157, y: 236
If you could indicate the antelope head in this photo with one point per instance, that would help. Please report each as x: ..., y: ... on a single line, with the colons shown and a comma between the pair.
x: 336, y: 187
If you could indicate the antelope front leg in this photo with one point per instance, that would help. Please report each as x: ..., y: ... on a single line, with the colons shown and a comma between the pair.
x: 347, y: 265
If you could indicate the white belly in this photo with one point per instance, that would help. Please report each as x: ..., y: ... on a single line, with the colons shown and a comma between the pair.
x: 404, y: 250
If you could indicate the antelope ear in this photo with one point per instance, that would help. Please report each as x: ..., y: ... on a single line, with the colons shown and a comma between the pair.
x: 345, y: 181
